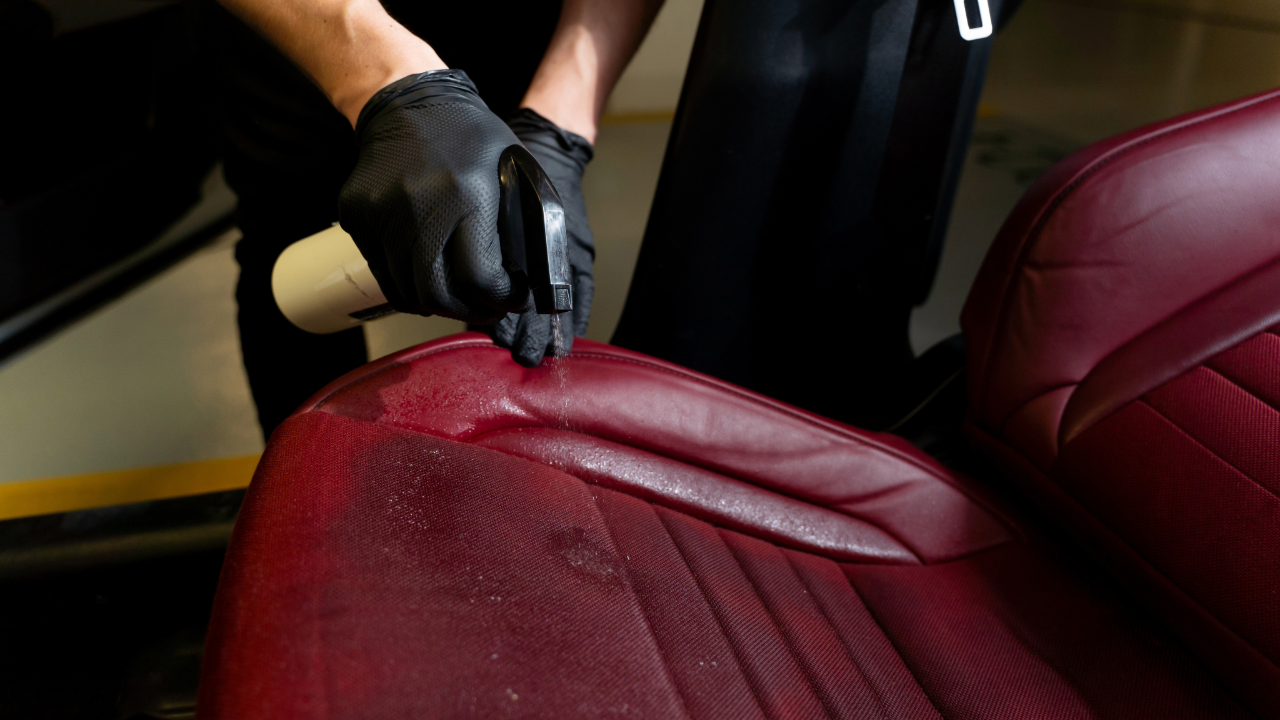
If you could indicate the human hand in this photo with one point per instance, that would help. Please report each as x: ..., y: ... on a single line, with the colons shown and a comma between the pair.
x: 422, y: 202
x: 563, y: 156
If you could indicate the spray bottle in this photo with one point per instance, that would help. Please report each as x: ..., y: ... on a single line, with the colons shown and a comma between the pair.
x: 323, y: 284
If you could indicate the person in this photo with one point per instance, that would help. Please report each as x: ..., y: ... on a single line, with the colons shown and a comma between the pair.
x: 390, y: 120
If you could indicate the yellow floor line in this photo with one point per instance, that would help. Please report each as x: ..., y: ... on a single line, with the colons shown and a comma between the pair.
x: 627, y: 118
x: 78, y: 492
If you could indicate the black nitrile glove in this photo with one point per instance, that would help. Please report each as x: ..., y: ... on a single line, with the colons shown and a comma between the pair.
x: 563, y: 155
x: 422, y: 202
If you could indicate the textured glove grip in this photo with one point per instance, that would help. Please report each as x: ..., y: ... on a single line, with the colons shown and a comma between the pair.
x: 534, y: 129
x: 425, y: 87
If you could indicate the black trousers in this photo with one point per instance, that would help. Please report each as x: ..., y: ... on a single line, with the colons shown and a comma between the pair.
x: 288, y: 151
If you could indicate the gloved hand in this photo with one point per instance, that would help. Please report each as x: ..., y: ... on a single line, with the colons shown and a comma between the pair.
x: 422, y: 202
x: 564, y: 156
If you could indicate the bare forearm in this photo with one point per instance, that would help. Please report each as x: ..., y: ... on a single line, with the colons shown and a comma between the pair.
x: 591, y: 47
x: 350, y: 48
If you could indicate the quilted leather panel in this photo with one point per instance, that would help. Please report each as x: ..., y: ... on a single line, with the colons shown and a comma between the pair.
x: 657, y: 419
x: 793, y: 670
x: 1189, y: 476
x: 972, y: 631
x: 377, y: 572
x: 1252, y: 365
x: 1227, y: 419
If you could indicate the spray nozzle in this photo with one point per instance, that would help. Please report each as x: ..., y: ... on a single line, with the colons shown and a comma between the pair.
x: 531, y: 227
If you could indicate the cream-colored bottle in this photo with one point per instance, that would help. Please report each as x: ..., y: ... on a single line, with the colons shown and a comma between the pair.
x: 323, y: 284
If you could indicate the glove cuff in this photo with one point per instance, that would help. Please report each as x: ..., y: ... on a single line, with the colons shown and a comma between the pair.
x: 430, y: 85
x: 530, y: 126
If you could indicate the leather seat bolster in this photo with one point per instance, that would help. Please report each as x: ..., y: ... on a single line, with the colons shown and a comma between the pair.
x: 709, y: 448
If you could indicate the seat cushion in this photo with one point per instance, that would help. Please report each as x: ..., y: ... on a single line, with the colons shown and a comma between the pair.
x: 447, y: 534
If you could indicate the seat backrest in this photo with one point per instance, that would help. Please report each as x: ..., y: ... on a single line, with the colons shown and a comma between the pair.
x: 1124, y: 365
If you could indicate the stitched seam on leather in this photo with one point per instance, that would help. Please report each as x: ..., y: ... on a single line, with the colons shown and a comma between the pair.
x: 875, y: 689
x: 1176, y: 589
x: 990, y: 509
x: 666, y: 662
x: 811, y: 421
x: 1014, y: 633
x: 906, y: 546
x: 670, y: 371
x: 1060, y: 197
x: 1005, y: 425
x: 1214, y: 293
x: 1243, y: 389
x: 777, y: 624
x: 1206, y: 448
x: 844, y: 570
x: 973, y: 553
x: 1120, y: 538
x: 1189, y: 597
x: 737, y: 656
x: 773, y: 406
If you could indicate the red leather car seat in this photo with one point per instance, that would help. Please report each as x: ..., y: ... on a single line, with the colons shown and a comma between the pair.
x: 1125, y: 371
x: 444, y: 533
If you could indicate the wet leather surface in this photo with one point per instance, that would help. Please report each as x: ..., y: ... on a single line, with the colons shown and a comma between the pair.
x: 645, y: 418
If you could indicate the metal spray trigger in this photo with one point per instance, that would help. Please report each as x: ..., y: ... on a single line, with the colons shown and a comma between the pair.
x: 532, y: 230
